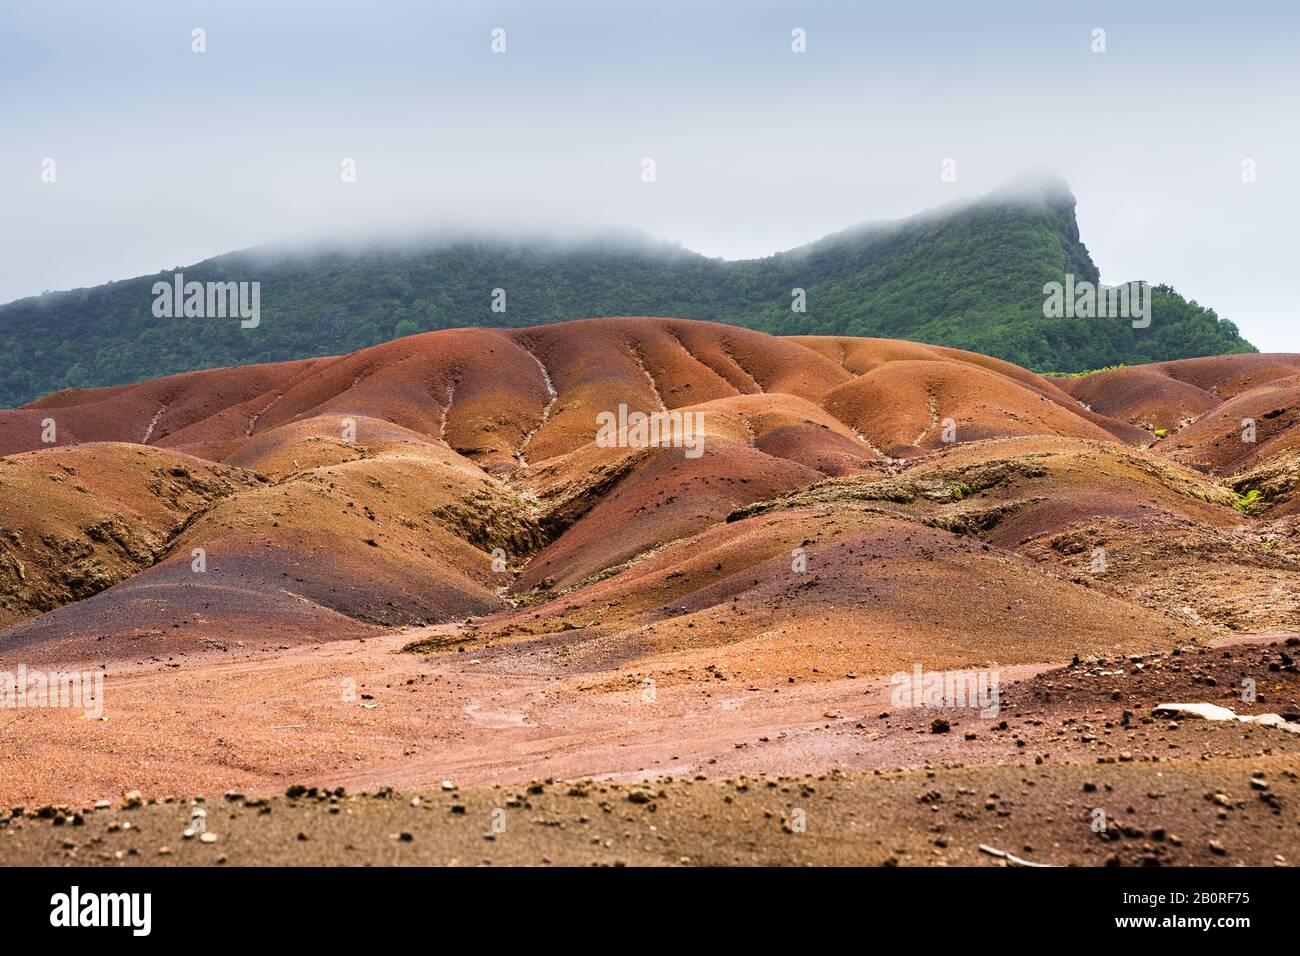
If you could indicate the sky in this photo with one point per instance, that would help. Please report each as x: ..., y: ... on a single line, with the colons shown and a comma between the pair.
x: 163, y: 156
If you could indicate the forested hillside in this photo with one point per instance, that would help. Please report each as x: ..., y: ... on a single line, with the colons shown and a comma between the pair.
x: 970, y: 276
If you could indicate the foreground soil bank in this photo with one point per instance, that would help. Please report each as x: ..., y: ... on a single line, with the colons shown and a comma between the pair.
x: 1225, y: 813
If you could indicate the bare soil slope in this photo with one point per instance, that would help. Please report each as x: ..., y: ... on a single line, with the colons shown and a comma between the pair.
x: 418, y: 560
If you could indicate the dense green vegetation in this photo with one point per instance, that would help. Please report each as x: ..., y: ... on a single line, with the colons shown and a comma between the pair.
x: 970, y: 277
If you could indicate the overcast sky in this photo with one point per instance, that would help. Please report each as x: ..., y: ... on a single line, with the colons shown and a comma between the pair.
x: 164, y: 156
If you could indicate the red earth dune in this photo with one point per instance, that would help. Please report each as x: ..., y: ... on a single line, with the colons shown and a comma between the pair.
x: 240, y: 541
x: 376, y: 486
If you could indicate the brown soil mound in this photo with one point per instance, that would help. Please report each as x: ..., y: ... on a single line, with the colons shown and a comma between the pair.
x: 1228, y: 376
x: 394, y: 538
x: 447, y: 493
x: 74, y: 521
x: 908, y: 407
x: 821, y: 590
x: 490, y: 394
x: 1249, y: 429
x: 1138, y: 528
x: 1200, y: 406
x: 1146, y: 396
x: 860, y: 356
x: 424, y: 480
x: 149, y: 411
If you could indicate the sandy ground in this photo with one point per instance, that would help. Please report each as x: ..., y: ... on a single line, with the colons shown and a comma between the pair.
x: 362, y: 714
x: 261, y: 721
x: 1185, y: 813
x: 708, y: 770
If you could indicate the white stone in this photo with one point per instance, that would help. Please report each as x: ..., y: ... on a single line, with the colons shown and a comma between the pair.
x: 1215, y: 712
x: 1204, y: 711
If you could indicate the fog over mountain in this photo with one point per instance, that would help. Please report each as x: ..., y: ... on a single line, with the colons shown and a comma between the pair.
x: 165, y: 156
x: 969, y: 274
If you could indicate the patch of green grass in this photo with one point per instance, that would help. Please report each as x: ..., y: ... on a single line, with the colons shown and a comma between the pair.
x: 1249, y: 503
x: 1091, y: 371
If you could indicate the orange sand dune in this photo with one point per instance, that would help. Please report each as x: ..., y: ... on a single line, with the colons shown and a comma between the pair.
x: 460, y: 475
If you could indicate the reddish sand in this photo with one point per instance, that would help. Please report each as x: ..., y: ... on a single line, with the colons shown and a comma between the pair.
x: 858, y: 507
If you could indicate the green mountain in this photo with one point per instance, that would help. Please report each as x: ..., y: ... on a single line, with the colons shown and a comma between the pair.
x: 969, y: 275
